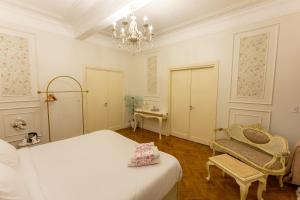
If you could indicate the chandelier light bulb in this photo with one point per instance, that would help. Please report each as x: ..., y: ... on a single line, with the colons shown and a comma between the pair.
x: 133, y: 17
x: 150, y: 29
x: 145, y: 19
x: 129, y: 36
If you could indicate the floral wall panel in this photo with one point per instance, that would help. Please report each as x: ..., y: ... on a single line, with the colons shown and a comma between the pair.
x: 152, y: 75
x: 15, y: 76
x: 18, y: 85
x: 252, y: 66
x: 254, y: 61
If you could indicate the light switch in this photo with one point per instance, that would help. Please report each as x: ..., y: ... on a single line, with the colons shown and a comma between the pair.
x: 295, y: 109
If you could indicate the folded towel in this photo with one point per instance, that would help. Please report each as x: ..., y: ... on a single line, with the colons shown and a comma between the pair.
x: 144, y: 154
x: 141, y: 154
x: 141, y: 163
x: 144, y: 146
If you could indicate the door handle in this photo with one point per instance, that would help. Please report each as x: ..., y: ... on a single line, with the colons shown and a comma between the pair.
x: 105, y: 104
x: 191, y: 107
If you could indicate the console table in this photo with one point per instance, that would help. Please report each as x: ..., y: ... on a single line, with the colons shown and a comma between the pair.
x: 160, y: 116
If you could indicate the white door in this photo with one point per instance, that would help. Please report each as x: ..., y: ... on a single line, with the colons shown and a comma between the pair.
x: 104, y: 99
x: 115, y: 100
x: 193, y: 103
x: 203, y: 104
x: 180, y: 102
x: 97, y: 85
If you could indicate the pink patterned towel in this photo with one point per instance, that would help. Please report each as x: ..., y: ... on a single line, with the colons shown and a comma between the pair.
x: 145, y: 154
x: 145, y: 146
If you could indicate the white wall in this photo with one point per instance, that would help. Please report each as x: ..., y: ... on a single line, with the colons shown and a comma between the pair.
x: 62, y: 55
x: 219, y: 47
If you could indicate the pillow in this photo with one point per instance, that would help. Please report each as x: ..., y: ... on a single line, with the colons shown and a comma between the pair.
x: 12, y: 186
x: 8, y: 154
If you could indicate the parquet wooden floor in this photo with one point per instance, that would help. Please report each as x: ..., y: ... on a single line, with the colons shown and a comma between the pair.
x: 193, y: 158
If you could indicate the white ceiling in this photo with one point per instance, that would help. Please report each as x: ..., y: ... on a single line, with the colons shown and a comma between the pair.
x: 88, y: 17
x: 171, y: 14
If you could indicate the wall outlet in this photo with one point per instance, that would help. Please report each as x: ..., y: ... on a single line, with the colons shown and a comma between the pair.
x: 295, y: 109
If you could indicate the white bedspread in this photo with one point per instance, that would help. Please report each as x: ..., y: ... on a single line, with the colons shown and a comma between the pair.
x: 94, y: 167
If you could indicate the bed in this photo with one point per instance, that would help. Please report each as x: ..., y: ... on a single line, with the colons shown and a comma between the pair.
x: 94, y: 167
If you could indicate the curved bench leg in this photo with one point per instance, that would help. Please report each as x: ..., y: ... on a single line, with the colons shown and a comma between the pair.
x: 266, y: 183
x: 244, y: 188
x: 208, y: 164
x: 261, y: 187
x: 280, y: 180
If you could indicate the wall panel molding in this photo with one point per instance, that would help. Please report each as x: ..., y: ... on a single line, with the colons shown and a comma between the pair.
x: 247, y: 116
x: 254, y: 62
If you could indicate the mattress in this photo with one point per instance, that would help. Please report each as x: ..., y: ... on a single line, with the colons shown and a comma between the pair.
x: 94, y: 167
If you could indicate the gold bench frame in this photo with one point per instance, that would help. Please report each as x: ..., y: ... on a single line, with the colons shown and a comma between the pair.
x: 277, y: 147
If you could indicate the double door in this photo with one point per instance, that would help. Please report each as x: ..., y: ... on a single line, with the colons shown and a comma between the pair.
x: 193, y: 103
x: 104, y: 100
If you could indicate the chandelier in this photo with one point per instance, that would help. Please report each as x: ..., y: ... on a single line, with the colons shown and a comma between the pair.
x: 128, y: 35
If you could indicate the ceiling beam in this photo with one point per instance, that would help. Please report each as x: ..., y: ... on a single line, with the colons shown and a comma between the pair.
x: 104, y: 14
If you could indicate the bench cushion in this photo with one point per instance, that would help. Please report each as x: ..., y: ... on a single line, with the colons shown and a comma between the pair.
x: 256, y: 136
x: 252, y: 154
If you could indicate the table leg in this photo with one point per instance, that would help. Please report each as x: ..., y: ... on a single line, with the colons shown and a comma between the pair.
x: 261, y: 187
x: 160, y: 126
x: 223, y: 173
x: 142, y: 122
x: 244, y: 188
x: 208, y: 164
x: 135, y: 122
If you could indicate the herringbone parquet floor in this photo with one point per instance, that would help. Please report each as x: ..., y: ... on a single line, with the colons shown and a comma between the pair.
x: 193, y: 158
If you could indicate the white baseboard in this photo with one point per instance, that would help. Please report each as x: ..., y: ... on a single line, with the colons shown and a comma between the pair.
x: 191, y: 138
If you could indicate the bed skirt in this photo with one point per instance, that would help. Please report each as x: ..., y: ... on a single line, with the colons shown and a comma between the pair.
x: 173, y: 193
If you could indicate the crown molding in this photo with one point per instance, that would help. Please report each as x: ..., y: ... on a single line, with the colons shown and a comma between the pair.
x: 11, y: 15
x: 102, y: 40
x: 242, y: 5
x: 259, y: 13
x: 30, y: 8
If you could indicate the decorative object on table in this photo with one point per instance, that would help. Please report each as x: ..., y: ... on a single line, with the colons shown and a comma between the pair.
x: 31, y: 139
x: 144, y: 154
x: 298, y: 193
x: 256, y: 147
x: 131, y: 103
x: 155, y: 109
x: 19, y: 124
x: 128, y: 35
x: 294, y: 166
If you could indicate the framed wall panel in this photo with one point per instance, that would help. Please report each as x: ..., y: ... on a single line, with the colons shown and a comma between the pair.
x: 18, y: 70
x: 30, y: 115
x: 254, y: 61
x: 151, y: 85
x: 249, y: 116
x: 19, y: 101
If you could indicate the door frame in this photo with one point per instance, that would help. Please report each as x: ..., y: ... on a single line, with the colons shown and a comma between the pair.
x: 213, y: 64
x: 84, y: 80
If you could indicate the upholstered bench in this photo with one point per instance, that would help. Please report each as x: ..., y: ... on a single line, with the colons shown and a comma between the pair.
x: 243, y: 174
x: 254, y: 146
